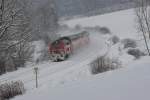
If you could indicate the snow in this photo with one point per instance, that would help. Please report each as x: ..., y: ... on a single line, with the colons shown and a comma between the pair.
x: 72, y: 79
x: 118, y: 52
x: 38, y: 48
x: 121, y: 23
x: 131, y: 83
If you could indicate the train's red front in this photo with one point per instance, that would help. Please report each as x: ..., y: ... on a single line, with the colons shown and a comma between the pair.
x: 62, y: 48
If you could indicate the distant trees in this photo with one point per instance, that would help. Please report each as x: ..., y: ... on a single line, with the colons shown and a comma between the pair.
x: 44, y: 20
x: 70, y: 8
x: 143, y: 19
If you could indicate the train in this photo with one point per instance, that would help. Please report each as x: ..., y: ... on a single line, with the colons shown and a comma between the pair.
x: 63, y: 47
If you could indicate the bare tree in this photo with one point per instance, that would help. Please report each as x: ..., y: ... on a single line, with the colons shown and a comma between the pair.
x: 14, y: 30
x: 143, y: 19
x: 45, y: 20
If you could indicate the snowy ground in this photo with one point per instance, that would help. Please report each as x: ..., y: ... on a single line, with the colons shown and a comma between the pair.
x: 131, y: 83
x: 121, y: 23
x: 72, y: 79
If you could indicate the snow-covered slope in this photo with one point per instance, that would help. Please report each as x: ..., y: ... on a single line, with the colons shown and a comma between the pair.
x: 121, y: 23
x: 131, y: 83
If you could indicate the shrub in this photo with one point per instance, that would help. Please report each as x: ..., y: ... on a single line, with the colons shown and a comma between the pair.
x: 78, y: 27
x: 23, y: 54
x: 105, y: 30
x: 15, y: 57
x: 114, y: 39
x: 9, y: 90
x: 103, y: 64
x: 129, y: 43
x: 136, y: 53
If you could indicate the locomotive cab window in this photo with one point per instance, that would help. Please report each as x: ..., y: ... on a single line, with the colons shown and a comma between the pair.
x: 66, y: 41
x: 56, y: 43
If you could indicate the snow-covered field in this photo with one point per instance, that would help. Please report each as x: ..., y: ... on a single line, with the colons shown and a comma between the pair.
x: 121, y: 23
x: 130, y: 83
x: 72, y: 79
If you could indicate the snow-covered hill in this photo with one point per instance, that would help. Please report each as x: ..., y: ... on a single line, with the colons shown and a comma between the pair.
x: 121, y: 23
x: 131, y: 83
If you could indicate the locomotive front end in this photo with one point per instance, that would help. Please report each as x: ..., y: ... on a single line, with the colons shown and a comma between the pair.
x: 62, y: 48
x: 59, y: 50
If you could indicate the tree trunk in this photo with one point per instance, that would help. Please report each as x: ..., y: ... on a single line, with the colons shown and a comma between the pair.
x: 1, y: 10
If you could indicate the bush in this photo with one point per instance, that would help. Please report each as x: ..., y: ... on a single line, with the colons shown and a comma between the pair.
x: 129, y: 43
x: 9, y: 90
x: 78, y: 27
x: 23, y: 54
x: 15, y: 57
x: 114, y: 39
x: 136, y: 53
x: 103, y: 64
x: 105, y: 30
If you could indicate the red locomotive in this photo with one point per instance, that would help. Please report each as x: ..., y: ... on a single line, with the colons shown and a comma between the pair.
x: 62, y: 48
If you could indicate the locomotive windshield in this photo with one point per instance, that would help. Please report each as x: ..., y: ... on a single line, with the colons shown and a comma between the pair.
x: 60, y: 41
x: 56, y: 43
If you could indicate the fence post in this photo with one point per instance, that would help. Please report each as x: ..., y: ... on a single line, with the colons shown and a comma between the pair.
x: 36, y: 76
